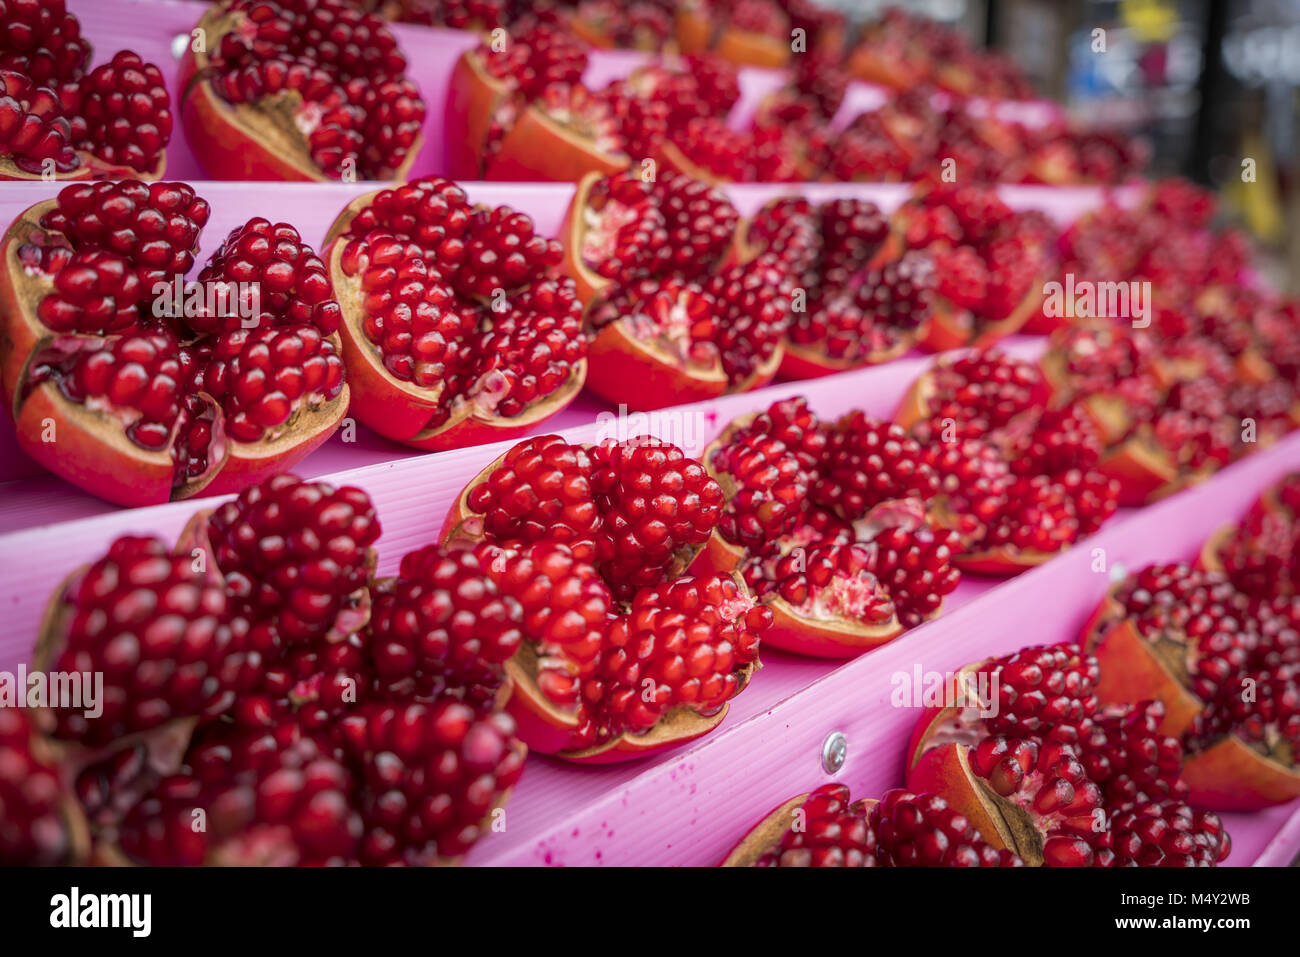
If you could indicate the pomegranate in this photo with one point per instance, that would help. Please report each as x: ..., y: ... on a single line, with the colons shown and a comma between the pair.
x: 828, y: 526
x: 299, y: 90
x: 434, y: 777
x: 453, y: 331
x: 826, y: 599
x: 247, y: 682
x: 596, y: 684
x: 823, y: 250
x: 826, y: 829
x: 64, y: 121
x: 1019, y: 481
x: 1173, y: 633
x: 1022, y: 745
x: 1259, y: 554
x: 517, y: 110
x: 662, y: 329
x: 642, y: 25
x: 639, y: 510
x: 1243, y: 747
x: 139, y: 388
x: 159, y: 632
x: 988, y: 259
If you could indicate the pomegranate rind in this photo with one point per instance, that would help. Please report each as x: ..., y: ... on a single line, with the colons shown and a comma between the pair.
x: 21, y: 332
x: 9, y: 171
x: 946, y: 771
x: 1132, y: 671
x: 825, y: 638
x: 100, y: 169
x: 248, y: 463
x: 473, y: 97
x: 717, y: 557
x: 752, y: 49
x: 573, y: 230
x: 538, y: 148
x: 917, y: 401
x: 764, y: 373
x: 898, y: 73
x: 1001, y: 561
x: 90, y: 450
x: 247, y: 141
x: 1230, y: 775
x: 1144, y: 472
x: 669, y: 155
x: 803, y: 362
x: 934, y: 719
x: 677, y: 727
x: 693, y: 28
x: 1208, y: 559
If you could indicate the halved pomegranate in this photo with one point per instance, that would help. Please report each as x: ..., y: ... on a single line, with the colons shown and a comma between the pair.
x: 766, y: 481
x: 826, y: 829
x: 596, y: 683
x: 94, y: 624
x: 63, y: 121
x: 1260, y: 553
x: 826, y: 599
x: 754, y: 33
x: 619, y: 656
x: 258, y: 673
x: 664, y: 331
x: 453, y: 332
x: 1165, y: 419
x: 309, y: 90
x: 138, y: 388
x: 828, y: 526
x: 988, y: 260
x: 654, y: 343
x: 494, y: 88
x: 1172, y: 633
x: 561, y: 136
x: 1022, y: 745
x: 1019, y: 481
x: 1244, y: 748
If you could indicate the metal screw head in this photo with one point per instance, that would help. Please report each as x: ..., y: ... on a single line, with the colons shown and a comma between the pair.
x: 834, y: 750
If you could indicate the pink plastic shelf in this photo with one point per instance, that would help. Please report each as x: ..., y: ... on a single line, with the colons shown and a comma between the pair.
x: 153, y: 27
x: 29, y: 496
x: 688, y: 806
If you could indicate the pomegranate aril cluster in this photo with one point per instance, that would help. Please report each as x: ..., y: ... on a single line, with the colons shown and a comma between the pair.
x: 59, y: 116
x: 354, y: 108
x: 180, y: 366
x: 460, y: 300
x: 260, y: 675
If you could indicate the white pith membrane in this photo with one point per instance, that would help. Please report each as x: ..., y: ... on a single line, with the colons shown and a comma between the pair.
x: 584, y: 115
x: 602, y: 218
x: 848, y: 599
x: 664, y: 318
